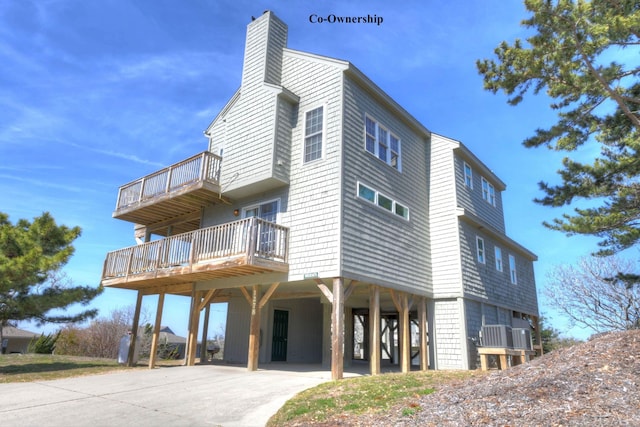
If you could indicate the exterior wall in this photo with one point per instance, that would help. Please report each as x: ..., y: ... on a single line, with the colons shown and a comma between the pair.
x: 305, y: 330
x: 379, y: 246
x: 445, y: 246
x: 304, y: 344
x: 313, y: 212
x: 236, y: 337
x: 471, y: 198
x: 484, y: 281
x: 474, y: 317
x: 448, y: 334
x: 17, y: 345
x: 249, y: 141
x: 287, y: 117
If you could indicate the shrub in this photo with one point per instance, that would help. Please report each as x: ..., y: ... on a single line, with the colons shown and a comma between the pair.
x: 44, y: 344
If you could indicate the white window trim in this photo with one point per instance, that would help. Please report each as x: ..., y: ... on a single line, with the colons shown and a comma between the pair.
x: 376, y: 153
x: 324, y: 133
x: 489, y: 195
x: 498, y: 254
x: 258, y: 204
x: 481, y: 253
x: 513, y: 273
x: 470, y: 176
x: 375, y: 201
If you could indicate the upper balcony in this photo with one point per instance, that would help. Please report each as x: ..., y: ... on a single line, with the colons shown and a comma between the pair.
x: 240, y: 248
x: 173, y: 196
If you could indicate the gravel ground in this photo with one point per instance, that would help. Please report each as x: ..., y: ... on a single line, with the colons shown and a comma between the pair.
x: 596, y: 383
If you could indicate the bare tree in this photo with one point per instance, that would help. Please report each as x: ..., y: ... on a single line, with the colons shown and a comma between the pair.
x: 100, y: 339
x: 599, y: 293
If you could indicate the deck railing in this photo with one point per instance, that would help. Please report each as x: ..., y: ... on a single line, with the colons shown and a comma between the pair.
x: 201, y: 167
x: 252, y: 237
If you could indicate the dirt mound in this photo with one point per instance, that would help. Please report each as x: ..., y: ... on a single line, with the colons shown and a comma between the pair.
x: 596, y: 383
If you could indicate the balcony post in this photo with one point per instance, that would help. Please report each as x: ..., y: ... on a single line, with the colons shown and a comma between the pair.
x: 169, y: 174
x: 253, y: 239
x: 193, y: 248
x: 129, y: 262
x: 143, y: 182
x: 119, y: 198
x: 203, y: 166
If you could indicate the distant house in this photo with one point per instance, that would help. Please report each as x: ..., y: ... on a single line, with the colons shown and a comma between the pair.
x: 16, y: 340
x: 171, y: 342
x: 334, y: 224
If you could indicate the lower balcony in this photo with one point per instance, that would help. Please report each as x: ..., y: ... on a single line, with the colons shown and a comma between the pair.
x: 245, y: 247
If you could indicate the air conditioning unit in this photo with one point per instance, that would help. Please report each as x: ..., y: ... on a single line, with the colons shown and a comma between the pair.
x: 496, y: 336
x: 522, y: 339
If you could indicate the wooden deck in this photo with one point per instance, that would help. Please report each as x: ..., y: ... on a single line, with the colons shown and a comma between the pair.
x: 240, y: 248
x: 170, y: 200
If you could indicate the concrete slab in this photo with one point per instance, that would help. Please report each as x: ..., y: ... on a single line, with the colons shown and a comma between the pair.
x: 203, y: 395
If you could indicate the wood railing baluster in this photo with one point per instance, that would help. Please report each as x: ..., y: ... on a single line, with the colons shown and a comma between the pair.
x: 254, y: 237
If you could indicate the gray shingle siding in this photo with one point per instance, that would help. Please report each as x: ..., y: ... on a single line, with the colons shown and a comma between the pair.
x: 486, y: 282
x: 471, y: 198
x: 378, y: 245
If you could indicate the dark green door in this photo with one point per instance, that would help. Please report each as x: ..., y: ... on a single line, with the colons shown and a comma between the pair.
x: 280, y: 331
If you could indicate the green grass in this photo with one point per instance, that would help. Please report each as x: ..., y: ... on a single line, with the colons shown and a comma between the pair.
x: 38, y: 367
x: 363, y: 395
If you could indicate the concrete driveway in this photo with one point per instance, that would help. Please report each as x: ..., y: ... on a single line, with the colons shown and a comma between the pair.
x: 203, y: 395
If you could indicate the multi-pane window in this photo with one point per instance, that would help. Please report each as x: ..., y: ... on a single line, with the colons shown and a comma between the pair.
x: 267, y: 239
x: 488, y: 192
x: 512, y: 269
x: 480, y: 249
x: 267, y: 211
x: 383, y: 144
x: 382, y: 201
x: 468, y: 175
x: 313, y: 134
x: 498, y: 253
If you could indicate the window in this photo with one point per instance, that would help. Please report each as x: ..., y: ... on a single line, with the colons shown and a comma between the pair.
x: 313, y: 135
x: 512, y: 269
x: 267, y: 211
x: 382, y: 201
x: 498, y: 253
x: 267, y: 243
x: 488, y: 192
x: 480, y: 249
x: 366, y: 193
x: 383, y: 144
x: 468, y: 175
x: 385, y: 202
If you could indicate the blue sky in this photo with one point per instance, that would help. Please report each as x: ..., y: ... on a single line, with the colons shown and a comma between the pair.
x: 96, y: 94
